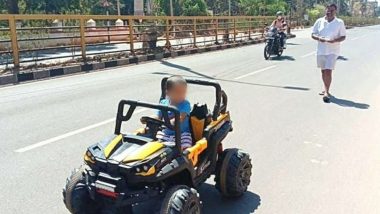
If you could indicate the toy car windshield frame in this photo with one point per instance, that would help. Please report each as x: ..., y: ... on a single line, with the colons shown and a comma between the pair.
x: 121, y: 117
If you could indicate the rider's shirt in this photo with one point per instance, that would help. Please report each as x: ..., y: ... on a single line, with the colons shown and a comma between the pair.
x: 329, y: 30
x: 183, y: 107
x: 279, y: 24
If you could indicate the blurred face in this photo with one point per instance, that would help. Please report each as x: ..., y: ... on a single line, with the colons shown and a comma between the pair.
x: 330, y: 13
x: 279, y: 17
x: 178, y: 93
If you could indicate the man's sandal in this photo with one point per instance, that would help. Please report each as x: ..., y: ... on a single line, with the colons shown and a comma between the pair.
x: 322, y: 93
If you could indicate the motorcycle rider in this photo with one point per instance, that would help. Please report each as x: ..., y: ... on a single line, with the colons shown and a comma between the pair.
x: 280, y: 24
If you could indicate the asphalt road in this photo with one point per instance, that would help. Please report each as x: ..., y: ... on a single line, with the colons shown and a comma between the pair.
x: 308, y: 156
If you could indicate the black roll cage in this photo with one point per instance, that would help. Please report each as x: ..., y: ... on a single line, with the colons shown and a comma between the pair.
x: 220, y: 96
x: 220, y: 107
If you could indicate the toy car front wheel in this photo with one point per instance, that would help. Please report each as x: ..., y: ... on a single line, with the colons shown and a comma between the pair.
x: 75, y: 194
x: 233, y: 172
x: 181, y: 199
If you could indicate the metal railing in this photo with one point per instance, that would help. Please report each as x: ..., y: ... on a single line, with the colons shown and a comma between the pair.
x: 349, y: 21
x: 26, y: 40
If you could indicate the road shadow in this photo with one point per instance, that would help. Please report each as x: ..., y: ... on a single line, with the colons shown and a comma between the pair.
x: 213, y: 202
x: 348, y: 103
x: 283, y: 58
x: 290, y: 43
x: 342, y: 58
x: 244, y: 83
x: 180, y: 67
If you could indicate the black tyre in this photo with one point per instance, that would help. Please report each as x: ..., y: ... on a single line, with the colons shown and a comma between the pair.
x: 280, y: 52
x: 181, y: 199
x: 266, y: 52
x: 75, y: 194
x: 233, y: 173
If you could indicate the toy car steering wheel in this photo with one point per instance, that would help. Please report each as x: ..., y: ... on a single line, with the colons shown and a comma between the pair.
x: 151, y: 121
x: 153, y: 125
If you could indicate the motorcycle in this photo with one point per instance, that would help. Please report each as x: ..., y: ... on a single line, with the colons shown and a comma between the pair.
x: 273, y: 43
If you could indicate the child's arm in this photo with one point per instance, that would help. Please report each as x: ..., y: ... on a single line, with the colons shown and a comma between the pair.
x: 184, y: 110
x: 182, y: 117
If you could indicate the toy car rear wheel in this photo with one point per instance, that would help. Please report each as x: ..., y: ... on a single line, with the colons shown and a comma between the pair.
x: 181, y: 199
x: 76, y: 196
x: 233, y: 173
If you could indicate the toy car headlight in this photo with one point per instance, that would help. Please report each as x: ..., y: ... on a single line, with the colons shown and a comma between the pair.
x: 88, y: 157
x: 138, y: 169
x: 141, y: 168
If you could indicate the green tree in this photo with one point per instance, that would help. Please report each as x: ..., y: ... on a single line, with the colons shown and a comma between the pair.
x: 316, y: 12
x: 12, y: 6
x: 218, y: 7
x: 3, y: 7
x: 194, y: 8
x: 251, y: 7
x: 262, y: 7
x: 66, y: 6
x: 274, y: 6
x: 164, y: 7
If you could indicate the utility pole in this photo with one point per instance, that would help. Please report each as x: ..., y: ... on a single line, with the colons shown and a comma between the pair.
x: 265, y: 8
x: 171, y: 8
x: 229, y: 7
x: 338, y: 5
x: 290, y: 2
x: 118, y: 7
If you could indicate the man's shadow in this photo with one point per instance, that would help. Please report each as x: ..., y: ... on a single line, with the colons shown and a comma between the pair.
x: 348, y: 103
x: 213, y: 202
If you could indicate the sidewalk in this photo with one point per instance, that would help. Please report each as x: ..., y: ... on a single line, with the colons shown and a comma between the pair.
x: 65, y: 54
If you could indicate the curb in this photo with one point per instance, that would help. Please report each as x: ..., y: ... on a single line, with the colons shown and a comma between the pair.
x: 60, y: 71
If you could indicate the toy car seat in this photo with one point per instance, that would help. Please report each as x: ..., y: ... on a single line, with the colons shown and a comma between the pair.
x: 200, y: 117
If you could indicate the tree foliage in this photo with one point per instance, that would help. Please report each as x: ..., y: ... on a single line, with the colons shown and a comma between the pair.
x: 164, y: 7
x: 12, y: 6
x: 180, y: 7
x: 316, y: 12
x: 262, y: 7
x: 194, y: 8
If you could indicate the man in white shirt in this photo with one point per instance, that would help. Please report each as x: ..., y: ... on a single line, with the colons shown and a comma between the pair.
x: 329, y: 31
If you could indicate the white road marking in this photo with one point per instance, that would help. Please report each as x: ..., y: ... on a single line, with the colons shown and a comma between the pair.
x: 358, y: 37
x: 69, y: 134
x: 255, y: 72
x: 322, y: 162
x: 315, y: 161
x: 309, y: 54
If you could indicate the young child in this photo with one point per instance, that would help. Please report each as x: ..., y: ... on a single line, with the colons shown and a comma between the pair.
x: 176, y: 89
